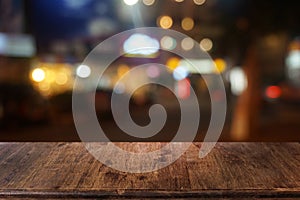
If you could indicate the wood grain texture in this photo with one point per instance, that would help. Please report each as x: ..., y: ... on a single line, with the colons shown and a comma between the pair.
x: 231, y: 170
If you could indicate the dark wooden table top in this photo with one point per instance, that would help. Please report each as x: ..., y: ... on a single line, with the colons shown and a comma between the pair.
x: 232, y: 170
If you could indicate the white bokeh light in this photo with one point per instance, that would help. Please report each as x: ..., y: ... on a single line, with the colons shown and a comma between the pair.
x: 38, y: 75
x: 180, y: 73
x: 141, y: 44
x: 293, y: 59
x: 238, y: 80
x: 83, y: 71
x: 168, y: 43
x: 130, y: 2
x: 293, y: 66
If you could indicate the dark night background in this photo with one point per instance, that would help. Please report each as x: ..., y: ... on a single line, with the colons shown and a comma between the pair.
x: 259, y: 38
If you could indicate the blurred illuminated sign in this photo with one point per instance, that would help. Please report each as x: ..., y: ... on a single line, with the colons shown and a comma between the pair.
x: 202, y: 66
x: 140, y: 45
x: 18, y: 45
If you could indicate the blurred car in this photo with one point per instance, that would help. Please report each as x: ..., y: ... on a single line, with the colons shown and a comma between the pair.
x: 283, y: 92
x: 281, y: 104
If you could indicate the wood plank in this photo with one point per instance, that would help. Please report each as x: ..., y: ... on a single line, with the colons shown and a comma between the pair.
x: 55, y: 170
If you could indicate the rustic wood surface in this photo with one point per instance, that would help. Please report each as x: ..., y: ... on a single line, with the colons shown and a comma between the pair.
x: 232, y: 170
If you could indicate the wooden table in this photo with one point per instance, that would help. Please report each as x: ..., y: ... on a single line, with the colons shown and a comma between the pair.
x: 232, y: 170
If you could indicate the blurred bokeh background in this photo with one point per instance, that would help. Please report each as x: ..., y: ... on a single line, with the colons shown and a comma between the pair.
x: 255, y: 46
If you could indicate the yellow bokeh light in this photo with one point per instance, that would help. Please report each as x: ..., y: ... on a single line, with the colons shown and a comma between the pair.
x: 122, y: 70
x: 52, y: 78
x: 61, y: 78
x: 206, y: 44
x: 172, y: 63
x: 187, y: 24
x: 187, y: 43
x: 220, y: 65
x: 38, y: 75
x: 148, y: 2
x: 165, y: 22
x: 45, y: 87
x: 199, y: 2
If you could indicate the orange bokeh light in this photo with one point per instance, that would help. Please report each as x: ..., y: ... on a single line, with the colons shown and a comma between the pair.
x: 273, y: 92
